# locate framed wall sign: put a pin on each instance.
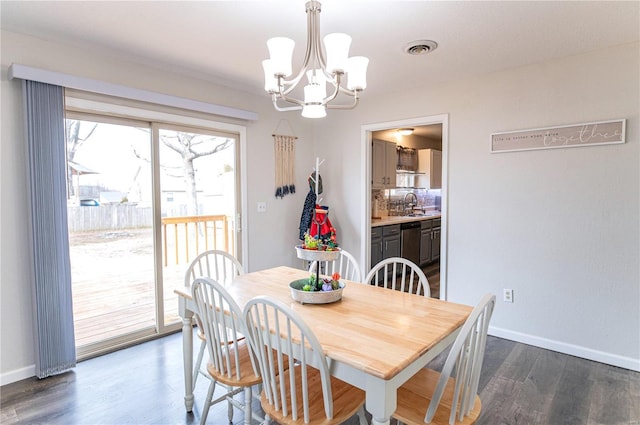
(566, 136)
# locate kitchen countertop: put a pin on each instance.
(397, 219)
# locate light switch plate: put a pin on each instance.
(262, 207)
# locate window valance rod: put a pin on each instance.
(25, 72)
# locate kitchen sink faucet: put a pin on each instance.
(409, 205)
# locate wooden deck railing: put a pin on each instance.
(193, 235)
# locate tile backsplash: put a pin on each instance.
(390, 200)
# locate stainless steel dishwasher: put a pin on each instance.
(410, 241)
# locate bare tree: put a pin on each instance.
(74, 142)
(190, 147)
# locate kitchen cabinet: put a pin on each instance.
(425, 242)
(390, 241)
(376, 245)
(385, 243)
(430, 241)
(435, 239)
(384, 160)
(429, 169)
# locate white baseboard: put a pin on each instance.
(573, 350)
(17, 375)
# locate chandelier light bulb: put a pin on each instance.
(270, 81)
(337, 47)
(357, 73)
(314, 111)
(281, 53)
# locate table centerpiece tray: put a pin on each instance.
(314, 297)
(317, 254)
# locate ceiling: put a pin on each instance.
(225, 41)
(433, 132)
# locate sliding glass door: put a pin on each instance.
(143, 200)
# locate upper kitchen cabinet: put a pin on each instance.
(430, 168)
(383, 164)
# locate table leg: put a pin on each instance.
(381, 401)
(187, 353)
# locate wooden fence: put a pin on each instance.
(108, 217)
(183, 238)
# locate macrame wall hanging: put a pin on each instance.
(285, 155)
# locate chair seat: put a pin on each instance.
(203, 338)
(201, 335)
(347, 401)
(249, 378)
(414, 397)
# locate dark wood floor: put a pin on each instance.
(520, 385)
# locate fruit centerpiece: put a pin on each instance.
(313, 290)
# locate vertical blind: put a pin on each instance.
(52, 300)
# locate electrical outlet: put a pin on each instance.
(262, 207)
(507, 295)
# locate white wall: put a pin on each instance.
(560, 227)
(272, 235)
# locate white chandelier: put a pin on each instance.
(319, 72)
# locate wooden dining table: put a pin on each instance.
(376, 338)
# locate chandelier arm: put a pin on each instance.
(342, 106)
(353, 93)
(282, 96)
(286, 109)
(291, 100)
(275, 98)
(336, 90)
(291, 83)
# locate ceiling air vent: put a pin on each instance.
(420, 47)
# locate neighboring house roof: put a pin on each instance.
(79, 169)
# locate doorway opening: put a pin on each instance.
(385, 195)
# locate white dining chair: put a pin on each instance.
(221, 267)
(345, 264)
(438, 398)
(216, 264)
(399, 274)
(297, 386)
(231, 362)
